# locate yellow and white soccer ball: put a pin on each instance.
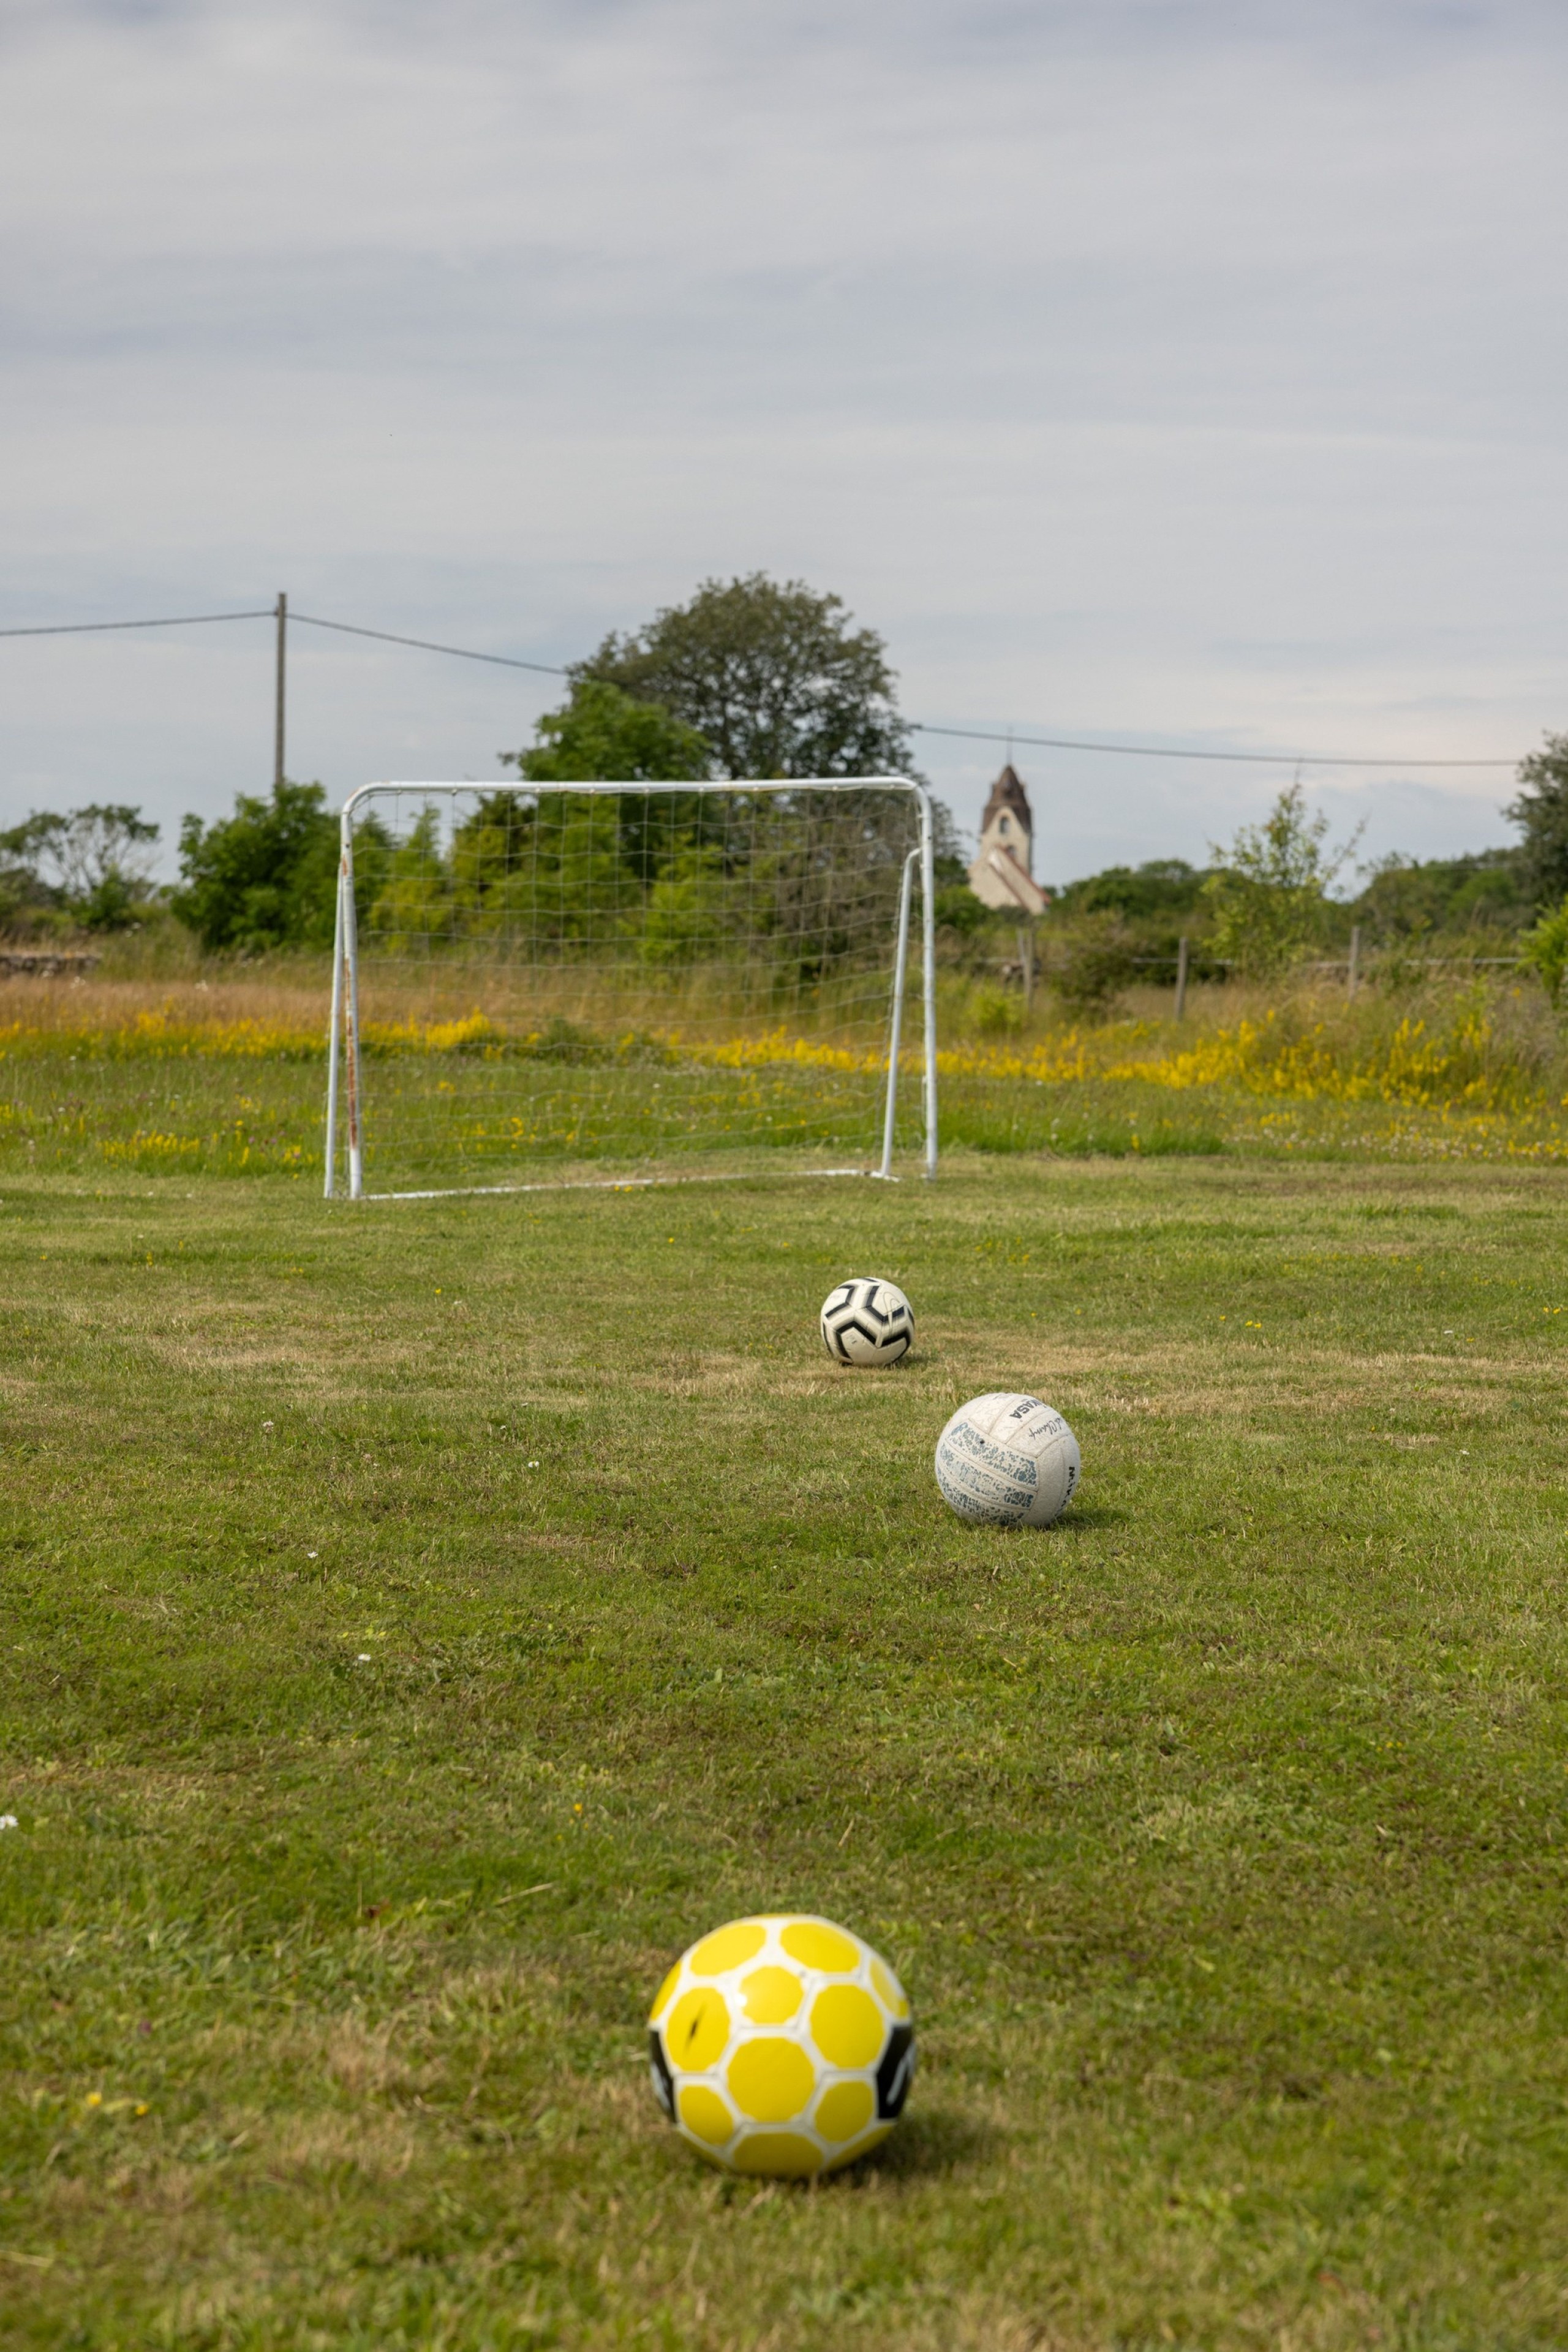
(782, 2045)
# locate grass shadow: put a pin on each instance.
(931, 2141)
(1085, 1520)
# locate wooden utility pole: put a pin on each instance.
(282, 680)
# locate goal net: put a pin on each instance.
(602, 982)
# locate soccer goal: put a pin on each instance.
(616, 982)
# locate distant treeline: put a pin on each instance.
(1275, 901)
(265, 877)
(753, 677)
(1402, 897)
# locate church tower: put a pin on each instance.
(1003, 874)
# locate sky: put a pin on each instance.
(1166, 371)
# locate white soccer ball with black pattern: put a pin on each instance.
(782, 2045)
(867, 1322)
(1008, 1460)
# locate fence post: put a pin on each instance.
(1354, 958)
(1026, 963)
(1181, 978)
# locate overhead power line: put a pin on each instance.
(462, 653)
(917, 726)
(178, 621)
(1175, 751)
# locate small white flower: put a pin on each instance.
(313, 1555)
(363, 1658)
(267, 1424)
(533, 1465)
(9, 1822)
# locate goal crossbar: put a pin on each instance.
(345, 1123)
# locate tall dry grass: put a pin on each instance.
(289, 998)
(1489, 1043)
(283, 1005)
(1463, 1040)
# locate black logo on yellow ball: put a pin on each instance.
(895, 2074)
(663, 2081)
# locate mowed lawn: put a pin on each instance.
(421, 1620)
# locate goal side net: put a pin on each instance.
(614, 982)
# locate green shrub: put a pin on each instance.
(1269, 897)
(994, 1012)
(1545, 951)
(1094, 974)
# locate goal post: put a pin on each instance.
(617, 981)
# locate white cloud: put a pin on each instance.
(1135, 369)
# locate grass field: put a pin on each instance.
(423, 1621)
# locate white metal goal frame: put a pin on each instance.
(345, 1090)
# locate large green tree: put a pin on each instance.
(1540, 812)
(602, 730)
(774, 676)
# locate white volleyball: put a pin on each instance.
(867, 1322)
(1008, 1459)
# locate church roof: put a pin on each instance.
(1007, 793)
